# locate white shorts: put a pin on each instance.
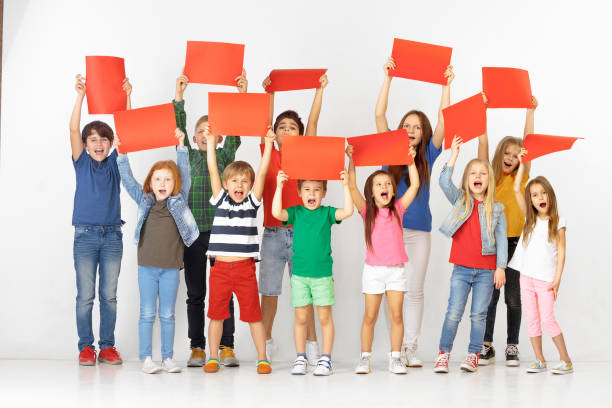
(379, 279)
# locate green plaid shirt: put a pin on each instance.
(201, 190)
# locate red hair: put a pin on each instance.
(168, 165)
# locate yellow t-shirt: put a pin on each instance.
(504, 193)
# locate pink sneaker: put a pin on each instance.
(470, 363)
(442, 362)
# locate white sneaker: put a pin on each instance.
(537, 367)
(442, 362)
(563, 368)
(313, 354)
(170, 366)
(270, 349)
(324, 367)
(300, 366)
(409, 357)
(396, 366)
(149, 367)
(470, 364)
(364, 364)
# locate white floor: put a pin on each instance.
(64, 383)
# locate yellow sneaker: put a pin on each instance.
(228, 358)
(197, 358)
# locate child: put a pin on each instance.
(417, 218)
(233, 244)
(505, 164)
(478, 227)
(540, 257)
(384, 271)
(164, 224)
(277, 238)
(98, 240)
(195, 255)
(312, 282)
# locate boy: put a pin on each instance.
(312, 282)
(98, 241)
(234, 246)
(194, 257)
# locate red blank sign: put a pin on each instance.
(294, 79)
(420, 61)
(104, 84)
(213, 62)
(146, 128)
(313, 157)
(386, 148)
(540, 145)
(506, 87)
(239, 114)
(467, 119)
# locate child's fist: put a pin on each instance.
(266, 82)
(127, 87)
(281, 177)
(181, 83)
(390, 64)
(534, 102)
(456, 145)
(80, 84)
(241, 82)
(349, 151)
(178, 133)
(522, 154)
(344, 178)
(323, 80)
(412, 152)
(270, 135)
(484, 98)
(449, 74)
(116, 142)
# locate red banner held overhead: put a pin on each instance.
(213, 63)
(146, 128)
(466, 119)
(313, 157)
(420, 61)
(239, 114)
(386, 148)
(540, 145)
(104, 84)
(506, 87)
(294, 79)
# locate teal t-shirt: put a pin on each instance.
(312, 240)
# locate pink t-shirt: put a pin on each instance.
(387, 238)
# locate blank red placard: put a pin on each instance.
(539, 145)
(420, 61)
(104, 84)
(294, 79)
(313, 157)
(467, 119)
(506, 87)
(386, 148)
(214, 63)
(239, 114)
(146, 128)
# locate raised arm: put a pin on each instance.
(315, 110)
(358, 199)
(380, 112)
(518, 181)
(412, 191)
(182, 160)
(133, 187)
(451, 191)
(211, 158)
(530, 126)
(127, 87)
(277, 202)
(76, 143)
(347, 210)
(264, 84)
(438, 135)
(483, 140)
(227, 154)
(179, 106)
(260, 178)
(560, 261)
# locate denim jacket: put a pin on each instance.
(177, 205)
(498, 222)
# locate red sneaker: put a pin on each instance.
(87, 357)
(470, 363)
(442, 362)
(110, 355)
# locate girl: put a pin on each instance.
(477, 225)
(540, 257)
(384, 271)
(165, 222)
(417, 219)
(277, 239)
(505, 164)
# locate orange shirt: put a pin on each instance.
(504, 193)
(290, 190)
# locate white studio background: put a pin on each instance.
(45, 44)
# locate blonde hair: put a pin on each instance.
(489, 200)
(498, 157)
(239, 167)
(532, 213)
(160, 165)
(201, 120)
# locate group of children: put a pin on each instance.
(503, 232)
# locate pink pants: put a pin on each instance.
(538, 306)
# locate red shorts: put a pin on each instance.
(237, 277)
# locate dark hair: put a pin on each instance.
(421, 159)
(372, 208)
(323, 182)
(290, 114)
(100, 128)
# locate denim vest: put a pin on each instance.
(177, 205)
(498, 222)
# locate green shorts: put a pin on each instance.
(316, 291)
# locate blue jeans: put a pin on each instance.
(97, 249)
(276, 252)
(153, 283)
(462, 280)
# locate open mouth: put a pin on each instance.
(542, 205)
(162, 191)
(239, 194)
(412, 137)
(384, 195)
(98, 151)
(507, 165)
(311, 201)
(477, 184)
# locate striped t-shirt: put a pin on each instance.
(234, 228)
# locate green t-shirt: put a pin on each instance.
(312, 240)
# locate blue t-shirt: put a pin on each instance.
(96, 199)
(418, 214)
